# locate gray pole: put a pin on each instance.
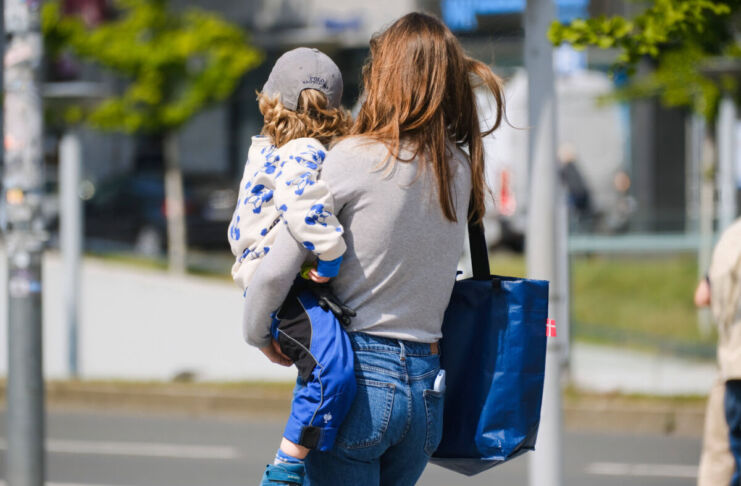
(543, 236)
(706, 155)
(726, 133)
(23, 184)
(71, 240)
(695, 130)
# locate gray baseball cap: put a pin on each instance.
(304, 68)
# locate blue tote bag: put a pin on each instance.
(493, 351)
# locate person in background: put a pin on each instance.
(579, 194)
(721, 290)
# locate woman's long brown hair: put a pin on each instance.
(418, 87)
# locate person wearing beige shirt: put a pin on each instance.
(721, 290)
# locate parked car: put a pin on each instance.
(130, 209)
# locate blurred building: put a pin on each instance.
(650, 159)
(216, 141)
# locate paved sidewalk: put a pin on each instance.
(144, 324)
(613, 369)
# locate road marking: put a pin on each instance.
(644, 470)
(47, 483)
(144, 449)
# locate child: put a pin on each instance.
(300, 104)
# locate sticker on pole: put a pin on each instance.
(550, 327)
(21, 284)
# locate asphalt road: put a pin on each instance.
(102, 449)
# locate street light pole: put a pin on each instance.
(544, 230)
(22, 188)
(726, 132)
(71, 221)
(70, 241)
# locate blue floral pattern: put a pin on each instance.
(258, 197)
(302, 182)
(311, 158)
(281, 185)
(234, 232)
(272, 160)
(317, 215)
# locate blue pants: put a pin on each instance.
(316, 342)
(733, 417)
(395, 422)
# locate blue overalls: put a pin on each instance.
(316, 342)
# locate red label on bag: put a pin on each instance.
(550, 328)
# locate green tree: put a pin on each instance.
(680, 37)
(175, 64)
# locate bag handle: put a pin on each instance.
(479, 251)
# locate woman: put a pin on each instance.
(404, 188)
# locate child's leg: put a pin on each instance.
(326, 390)
(293, 450)
(321, 349)
(288, 467)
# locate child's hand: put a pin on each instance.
(274, 354)
(315, 277)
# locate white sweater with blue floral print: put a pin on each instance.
(282, 185)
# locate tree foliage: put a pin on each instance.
(678, 36)
(175, 63)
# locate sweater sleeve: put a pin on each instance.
(306, 203)
(269, 287)
(236, 243)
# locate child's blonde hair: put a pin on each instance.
(312, 118)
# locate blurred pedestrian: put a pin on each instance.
(579, 195)
(720, 462)
(404, 184)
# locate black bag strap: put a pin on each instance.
(477, 245)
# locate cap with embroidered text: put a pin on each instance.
(304, 68)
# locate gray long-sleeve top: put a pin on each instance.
(402, 254)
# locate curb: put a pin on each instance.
(686, 421)
(182, 399)
(585, 413)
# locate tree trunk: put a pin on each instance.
(174, 207)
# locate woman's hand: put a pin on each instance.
(274, 354)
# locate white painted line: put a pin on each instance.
(3, 483)
(642, 470)
(144, 449)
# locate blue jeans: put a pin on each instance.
(394, 423)
(733, 417)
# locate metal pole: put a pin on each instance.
(726, 158)
(562, 291)
(23, 184)
(71, 240)
(695, 130)
(543, 236)
(706, 217)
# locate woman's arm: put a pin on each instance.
(275, 274)
(269, 287)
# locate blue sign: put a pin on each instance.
(460, 15)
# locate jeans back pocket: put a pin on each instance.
(434, 414)
(368, 419)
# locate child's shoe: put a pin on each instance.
(283, 475)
